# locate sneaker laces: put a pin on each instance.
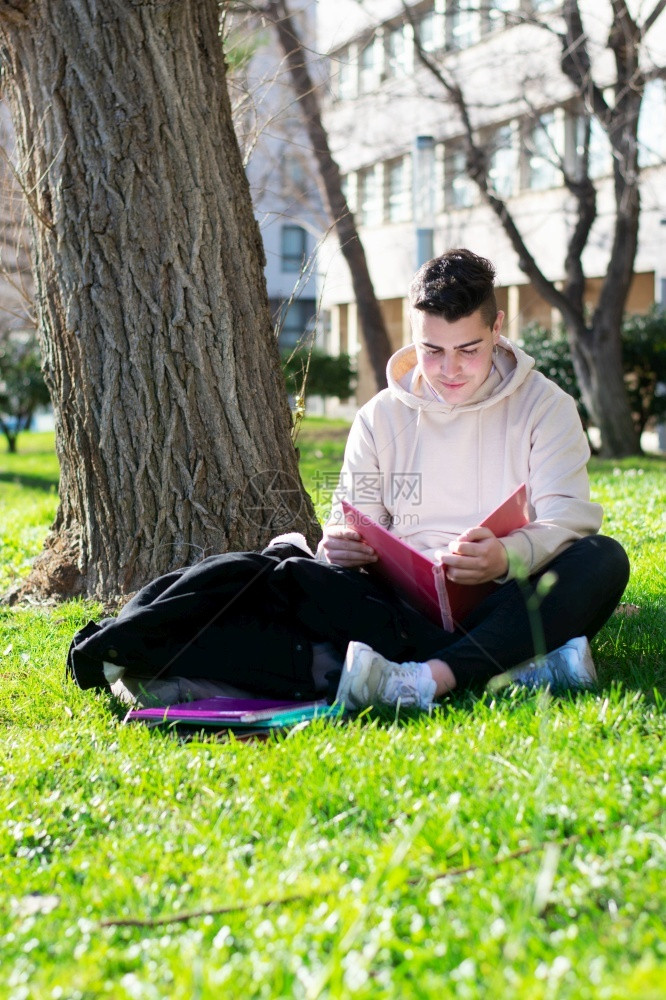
(410, 684)
(402, 685)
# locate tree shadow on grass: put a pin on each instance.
(632, 652)
(48, 485)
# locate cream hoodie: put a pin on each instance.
(429, 470)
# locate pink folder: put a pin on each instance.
(422, 582)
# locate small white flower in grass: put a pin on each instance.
(355, 975)
(222, 937)
(466, 970)
(330, 923)
(136, 987)
(498, 928)
(560, 967)
(34, 903)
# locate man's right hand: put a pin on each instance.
(344, 547)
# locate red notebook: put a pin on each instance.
(422, 582)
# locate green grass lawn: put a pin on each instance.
(498, 848)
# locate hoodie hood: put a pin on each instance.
(429, 470)
(511, 365)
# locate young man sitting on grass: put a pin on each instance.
(464, 421)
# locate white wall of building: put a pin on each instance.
(279, 163)
(507, 76)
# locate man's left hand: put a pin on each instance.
(476, 556)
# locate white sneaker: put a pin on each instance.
(368, 678)
(568, 668)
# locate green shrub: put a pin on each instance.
(644, 353)
(22, 387)
(550, 350)
(644, 359)
(324, 374)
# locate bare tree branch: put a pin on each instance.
(576, 64)
(652, 17)
(478, 169)
(604, 394)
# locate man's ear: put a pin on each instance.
(497, 326)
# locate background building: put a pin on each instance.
(399, 143)
(279, 167)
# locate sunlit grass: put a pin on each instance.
(509, 848)
(28, 502)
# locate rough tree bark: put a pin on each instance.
(371, 321)
(172, 422)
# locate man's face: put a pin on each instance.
(455, 358)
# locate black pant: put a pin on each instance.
(339, 605)
(590, 577)
(251, 619)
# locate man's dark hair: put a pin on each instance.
(455, 285)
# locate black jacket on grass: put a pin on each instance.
(247, 619)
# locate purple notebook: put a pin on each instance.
(232, 711)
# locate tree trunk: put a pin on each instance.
(11, 440)
(371, 321)
(172, 422)
(597, 360)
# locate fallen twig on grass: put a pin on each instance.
(498, 860)
(216, 911)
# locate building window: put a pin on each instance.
(368, 76)
(346, 75)
(459, 189)
(496, 14)
(398, 193)
(396, 52)
(294, 248)
(346, 187)
(294, 174)
(503, 166)
(542, 154)
(593, 151)
(464, 24)
(350, 190)
(294, 321)
(427, 31)
(369, 197)
(544, 6)
(651, 137)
